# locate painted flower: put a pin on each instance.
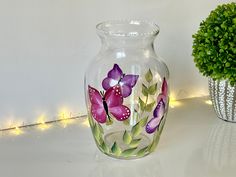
(164, 92)
(158, 115)
(159, 111)
(116, 77)
(105, 105)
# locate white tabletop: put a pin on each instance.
(194, 143)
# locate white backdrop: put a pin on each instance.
(45, 46)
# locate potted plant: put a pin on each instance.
(214, 52)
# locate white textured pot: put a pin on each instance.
(223, 97)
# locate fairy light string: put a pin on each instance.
(65, 118)
(45, 124)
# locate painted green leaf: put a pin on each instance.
(96, 131)
(115, 149)
(136, 130)
(162, 125)
(127, 138)
(155, 141)
(142, 104)
(128, 152)
(136, 116)
(143, 121)
(91, 122)
(135, 143)
(149, 76)
(100, 128)
(156, 137)
(145, 90)
(149, 106)
(97, 134)
(142, 151)
(152, 89)
(104, 147)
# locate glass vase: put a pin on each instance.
(126, 88)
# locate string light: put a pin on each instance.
(66, 122)
(17, 131)
(174, 103)
(41, 123)
(64, 113)
(64, 117)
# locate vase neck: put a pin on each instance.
(126, 43)
(127, 34)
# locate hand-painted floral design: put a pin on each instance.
(159, 111)
(116, 77)
(117, 86)
(109, 103)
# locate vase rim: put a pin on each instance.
(128, 28)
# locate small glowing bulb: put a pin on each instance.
(174, 103)
(41, 119)
(64, 113)
(17, 131)
(42, 125)
(65, 122)
(208, 102)
(64, 117)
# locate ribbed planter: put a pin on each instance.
(223, 97)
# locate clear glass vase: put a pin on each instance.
(126, 88)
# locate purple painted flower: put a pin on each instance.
(159, 111)
(117, 77)
(158, 114)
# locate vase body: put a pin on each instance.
(223, 97)
(126, 88)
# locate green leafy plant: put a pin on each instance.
(214, 45)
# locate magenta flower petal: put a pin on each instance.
(129, 80)
(113, 97)
(97, 109)
(120, 112)
(125, 91)
(164, 88)
(115, 73)
(98, 113)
